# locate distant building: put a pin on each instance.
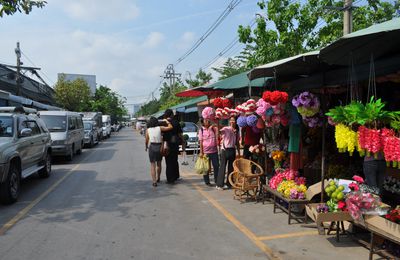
(90, 79)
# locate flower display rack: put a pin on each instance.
(276, 197)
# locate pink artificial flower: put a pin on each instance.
(341, 205)
(354, 186)
(358, 179)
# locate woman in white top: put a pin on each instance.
(154, 138)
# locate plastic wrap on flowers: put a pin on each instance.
(208, 113)
(307, 104)
(241, 121)
(252, 120)
(358, 203)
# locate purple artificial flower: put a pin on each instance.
(242, 121)
(252, 120)
(296, 101)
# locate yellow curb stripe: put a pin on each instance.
(268, 251)
(25, 210)
(296, 234)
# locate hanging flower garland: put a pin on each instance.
(346, 139)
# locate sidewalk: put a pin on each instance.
(269, 231)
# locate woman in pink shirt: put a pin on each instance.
(229, 142)
(208, 136)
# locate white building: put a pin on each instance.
(90, 79)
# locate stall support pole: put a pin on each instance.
(323, 146)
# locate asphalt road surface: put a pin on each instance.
(102, 206)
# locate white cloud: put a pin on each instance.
(153, 40)
(185, 41)
(94, 9)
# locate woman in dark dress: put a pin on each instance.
(173, 138)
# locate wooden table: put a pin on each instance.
(276, 195)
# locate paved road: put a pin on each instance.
(102, 206)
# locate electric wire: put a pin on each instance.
(211, 29)
(42, 72)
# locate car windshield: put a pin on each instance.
(55, 123)
(6, 126)
(189, 127)
(87, 126)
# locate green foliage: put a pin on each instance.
(202, 78)
(8, 7)
(168, 98)
(109, 103)
(294, 27)
(72, 95)
(230, 68)
(358, 113)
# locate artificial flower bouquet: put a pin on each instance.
(278, 156)
(394, 215)
(257, 149)
(289, 184)
(308, 106)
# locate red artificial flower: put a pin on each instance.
(227, 103)
(358, 179)
(266, 96)
(354, 186)
(218, 103)
(284, 97)
(341, 205)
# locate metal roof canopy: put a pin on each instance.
(239, 81)
(378, 40)
(190, 102)
(302, 64)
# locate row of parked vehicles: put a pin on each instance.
(29, 139)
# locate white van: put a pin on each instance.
(67, 133)
(106, 119)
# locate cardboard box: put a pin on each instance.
(326, 217)
(315, 189)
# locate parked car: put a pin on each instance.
(106, 119)
(25, 148)
(95, 117)
(191, 129)
(91, 135)
(66, 129)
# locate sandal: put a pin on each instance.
(158, 180)
(154, 184)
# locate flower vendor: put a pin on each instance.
(375, 170)
(250, 136)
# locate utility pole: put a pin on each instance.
(348, 17)
(169, 74)
(19, 63)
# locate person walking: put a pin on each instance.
(229, 142)
(173, 137)
(208, 138)
(153, 144)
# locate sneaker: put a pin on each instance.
(219, 188)
(225, 187)
(208, 184)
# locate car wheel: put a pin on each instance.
(79, 151)
(9, 190)
(70, 155)
(45, 172)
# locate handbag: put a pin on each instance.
(164, 149)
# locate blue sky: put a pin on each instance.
(126, 44)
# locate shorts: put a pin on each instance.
(155, 152)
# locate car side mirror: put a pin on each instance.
(25, 132)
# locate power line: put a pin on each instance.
(26, 57)
(216, 23)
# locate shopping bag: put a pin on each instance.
(201, 166)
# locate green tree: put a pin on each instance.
(230, 68)
(289, 28)
(151, 107)
(10, 7)
(202, 78)
(109, 103)
(72, 95)
(168, 97)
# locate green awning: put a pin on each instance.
(238, 81)
(302, 64)
(189, 103)
(377, 41)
